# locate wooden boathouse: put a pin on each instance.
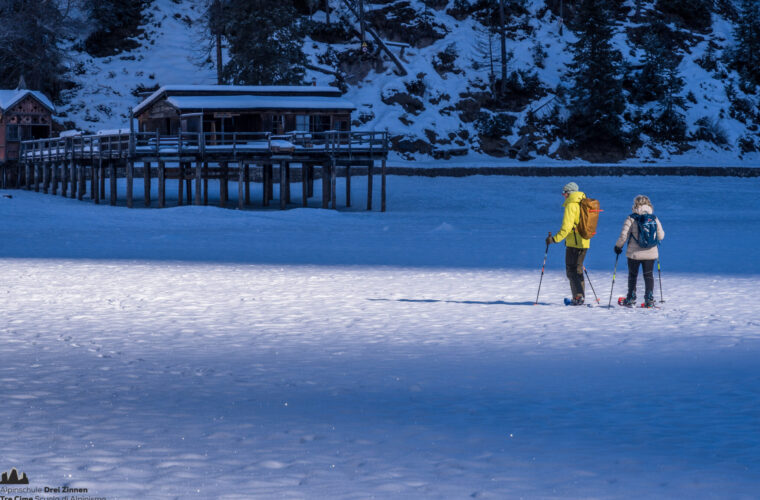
(224, 109)
(24, 115)
(196, 133)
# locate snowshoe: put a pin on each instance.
(648, 300)
(628, 301)
(578, 301)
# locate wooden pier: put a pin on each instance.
(65, 164)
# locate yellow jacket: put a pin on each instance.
(570, 220)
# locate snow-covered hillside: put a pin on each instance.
(169, 52)
(437, 110)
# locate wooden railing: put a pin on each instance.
(203, 145)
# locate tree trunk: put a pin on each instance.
(219, 65)
(502, 34)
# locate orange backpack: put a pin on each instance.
(589, 218)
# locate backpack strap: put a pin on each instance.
(634, 219)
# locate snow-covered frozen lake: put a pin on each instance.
(196, 352)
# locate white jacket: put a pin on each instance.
(630, 228)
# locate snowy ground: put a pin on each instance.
(196, 352)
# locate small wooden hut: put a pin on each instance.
(235, 108)
(24, 115)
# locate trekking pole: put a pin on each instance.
(589, 282)
(659, 277)
(614, 271)
(542, 270)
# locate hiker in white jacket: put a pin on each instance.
(638, 254)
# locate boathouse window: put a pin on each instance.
(40, 131)
(302, 123)
(321, 123)
(191, 122)
(13, 133)
(277, 124)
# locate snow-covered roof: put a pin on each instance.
(237, 90)
(9, 98)
(259, 102)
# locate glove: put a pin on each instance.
(618, 250)
(549, 239)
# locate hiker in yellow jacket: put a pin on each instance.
(576, 245)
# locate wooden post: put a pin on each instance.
(112, 180)
(188, 182)
(264, 186)
(325, 185)
(241, 181)
(102, 178)
(382, 190)
(270, 184)
(348, 185)
(205, 183)
(247, 181)
(161, 184)
(36, 168)
(130, 187)
(73, 177)
(46, 177)
(98, 187)
(146, 182)
(54, 179)
(283, 200)
(64, 179)
(28, 175)
(334, 184)
(180, 187)
(304, 185)
(287, 183)
(310, 169)
(82, 181)
(94, 184)
(223, 185)
(369, 184)
(198, 175)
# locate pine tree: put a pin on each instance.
(596, 98)
(659, 64)
(264, 42)
(115, 21)
(30, 31)
(693, 14)
(650, 80)
(670, 123)
(746, 55)
(484, 56)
